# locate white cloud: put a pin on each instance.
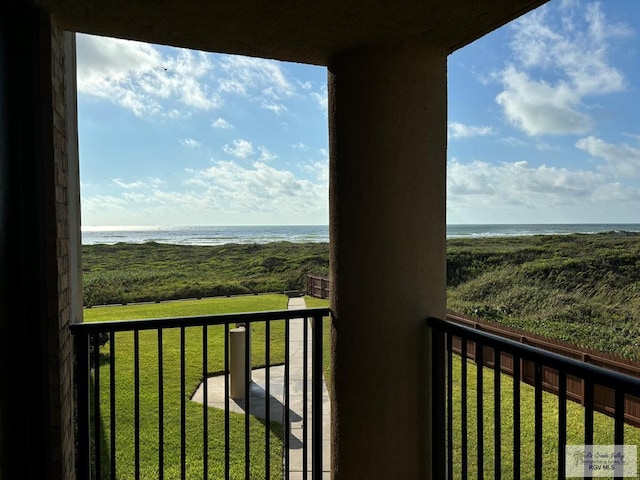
(513, 142)
(539, 108)
(259, 188)
(517, 191)
(221, 123)
(546, 147)
(622, 160)
(460, 130)
(260, 80)
(320, 170)
(121, 183)
(190, 143)
(573, 51)
(240, 149)
(225, 193)
(146, 79)
(137, 76)
(322, 99)
(266, 155)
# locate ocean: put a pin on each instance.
(218, 235)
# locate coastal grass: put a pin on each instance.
(126, 273)
(580, 288)
(173, 396)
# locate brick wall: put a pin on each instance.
(61, 352)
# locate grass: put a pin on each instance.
(603, 426)
(125, 460)
(172, 395)
(125, 273)
(583, 289)
(579, 288)
(313, 302)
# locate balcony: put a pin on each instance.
(494, 424)
(141, 423)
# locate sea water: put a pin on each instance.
(218, 235)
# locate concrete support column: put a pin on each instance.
(388, 120)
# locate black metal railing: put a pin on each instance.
(124, 406)
(474, 431)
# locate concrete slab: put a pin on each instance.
(273, 396)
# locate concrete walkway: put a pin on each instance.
(215, 390)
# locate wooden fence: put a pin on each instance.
(604, 398)
(317, 286)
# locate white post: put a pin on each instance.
(237, 363)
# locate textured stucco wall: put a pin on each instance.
(387, 113)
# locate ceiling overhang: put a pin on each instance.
(306, 32)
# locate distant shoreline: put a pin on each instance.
(257, 234)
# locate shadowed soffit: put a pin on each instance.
(307, 32)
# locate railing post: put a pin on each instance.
(316, 397)
(83, 466)
(438, 401)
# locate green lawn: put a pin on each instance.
(172, 396)
(603, 426)
(194, 412)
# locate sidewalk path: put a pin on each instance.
(215, 390)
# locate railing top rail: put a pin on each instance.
(195, 321)
(597, 374)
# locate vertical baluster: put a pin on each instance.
(83, 466)
(538, 421)
(479, 408)
(287, 426)
(618, 435)
(463, 409)
(95, 344)
(112, 400)
(136, 389)
(247, 400)
(183, 414)
(205, 404)
(316, 397)
(516, 416)
(562, 422)
(588, 411)
(160, 408)
(497, 424)
(305, 352)
(267, 406)
(449, 471)
(227, 455)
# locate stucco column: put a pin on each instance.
(387, 118)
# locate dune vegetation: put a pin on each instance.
(581, 288)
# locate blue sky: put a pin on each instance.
(543, 116)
